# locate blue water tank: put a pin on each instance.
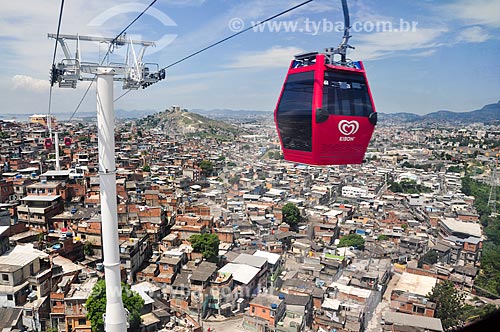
(274, 306)
(281, 296)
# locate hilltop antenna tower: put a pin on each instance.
(492, 200)
(134, 74)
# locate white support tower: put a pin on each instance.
(133, 75)
(56, 142)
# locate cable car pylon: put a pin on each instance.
(134, 74)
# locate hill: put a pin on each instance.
(193, 124)
(487, 114)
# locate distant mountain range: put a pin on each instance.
(488, 114)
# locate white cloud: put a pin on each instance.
(475, 34)
(387, 44)
(275, 57)
(29, 83)
(425, 53)
(484, 12)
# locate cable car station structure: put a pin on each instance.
(134, 74)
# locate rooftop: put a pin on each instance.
(462, 227)
(255, 261)
(266, 300)
(415, 284)
(271, 258)
(204, 271)
(241, 272)
(40, 198)
(82, 291)
(428, 323)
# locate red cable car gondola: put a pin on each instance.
(67, 141)
(47, 143)
(325, 114)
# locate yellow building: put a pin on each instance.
(42, 119)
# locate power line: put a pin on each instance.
(107, 53)
(230, 37)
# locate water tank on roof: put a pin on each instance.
(281, 296)
(274, 306)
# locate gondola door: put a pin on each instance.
(342, 125)
(294, 113)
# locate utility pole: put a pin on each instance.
(134, 74)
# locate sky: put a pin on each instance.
(420, 56)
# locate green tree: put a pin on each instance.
(87, 249)
(430, 258)
(473, 313)
(206, 167)
(291, 214)
(4, 135)
(352, 240)
(234, 179)
(96, 306)
(449, 304)
(383, 237)
(206, 244)
(146, 168)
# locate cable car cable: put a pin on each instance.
(122, 95)
(54, 59)
(57, 34)
(238, 33)
(228, 37)
(107, 53)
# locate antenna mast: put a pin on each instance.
(67, 73)
(492, 199)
